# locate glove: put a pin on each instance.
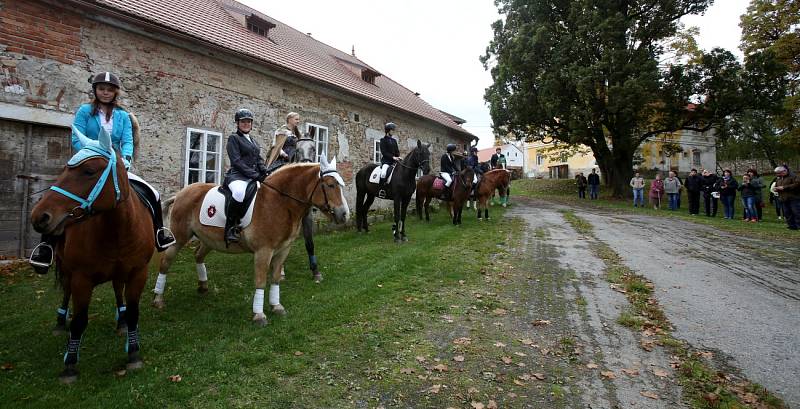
(127, 161)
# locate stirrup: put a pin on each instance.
(382, 194)
(39, 263)
(169, 238)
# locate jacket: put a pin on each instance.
(637, 183)
(594, 179)
(758, 185)
(656, 188)
(581, 180)
(791, 187)
(286, 142)
(389, 149)
(727, 187)
(672, 185)
(245, 158)
(447, 164)
(747, 189)
(694, 183)
(474, 163)
(89, 125)
(710, 184)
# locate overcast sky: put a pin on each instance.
(432, 46)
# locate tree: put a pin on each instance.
(588, 72)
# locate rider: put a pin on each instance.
(474, 163)
(104, 111)
(246, 165)
(447, 166)
(285, 143)
(498, 159)
(390, 154)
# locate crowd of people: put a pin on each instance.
(783, 192)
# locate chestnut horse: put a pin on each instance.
(282, 201)
(461, 187)
(400, 188)
(108, 236)
(497, 179)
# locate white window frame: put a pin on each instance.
(320, 145)
(203, 154)
(539, 159)
(376, 153)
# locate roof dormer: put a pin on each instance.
(258, 25)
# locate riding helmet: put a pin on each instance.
(390, 126)
(451, 147)
(473, 149)
(243, 113)
(105, 78)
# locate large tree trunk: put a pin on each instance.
(617, 172)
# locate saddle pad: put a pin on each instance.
(212, 212)
(438, 183)
(375, 176)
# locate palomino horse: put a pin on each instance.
(461, 188)
(282, 201)
(499, 180)
(400, 189)
(108, 236)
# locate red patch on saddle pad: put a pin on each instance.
(212, 210)
(438, 183)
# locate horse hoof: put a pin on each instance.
(158, 303)
(137, 363)
(68, 376)
(405, 238)
(317, 277)
(278, 310)
(260, 320)
(202, 287)
(123, 330)
(505, 205)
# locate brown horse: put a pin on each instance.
(282, 201)
(497, 179)
(108, 236)
(461, 187)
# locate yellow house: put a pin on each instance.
(548, 161)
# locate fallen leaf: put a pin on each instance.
(539, 376)
(646, 345)
(660, 372)
(537, 323)
(712, 399)
(380, 285)
(507, 359)
(519, 354)
(420, 359)
(750, 398)
(298, 353)
(491, 405)
(512, 395)
(175, 378)
(434, 389)
(706, 354)
(499, 344)
(592, 365)
(458, 358)
(521, 364)
(608, 374)
(440, 368)
(406, 371)
(472, 390)
(650, 395)
(120, 372)
(631, 371)
(499, 311)
(7, 366)
(477, 405)
(422, 377)
(461, 282)
(526, 341)
(409, 299)
(462, 341)
(518, 382)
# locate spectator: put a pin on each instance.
(656, 192)
(788, 188)
(727, 192)
(672, 187)
(710, 192)
(581, 181)
(757, 183)
(637, 183)
(748, 199)
(775, 199)
(594, 184)
(694, 185)
(680, 191)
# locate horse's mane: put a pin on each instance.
(295, 165)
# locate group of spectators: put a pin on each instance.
(783, 192)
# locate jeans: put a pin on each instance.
(791, 212)
(638, 197)
(727, 204)
(673, 200)
(593, 190)
(581, 193)
(778, 206)
(750, 207)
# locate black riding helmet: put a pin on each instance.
(390, 126)
(451, 147)
(243, 114)
(473, 149)
(105, 78)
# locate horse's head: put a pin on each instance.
(90, 183)
(330, 196)
(306, 150)
(421, 157)
(467, 175)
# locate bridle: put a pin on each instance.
(327, 209)
(85, 207)
(416, 158)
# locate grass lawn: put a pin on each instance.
(342, 344)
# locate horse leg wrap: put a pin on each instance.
(202, 273)
(274, 294)
(62, 312)
(161, 282)
(312, 261)
(133, 341)
(258, 301)
(73, 349)
(120, 313)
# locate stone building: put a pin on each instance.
(186, 66)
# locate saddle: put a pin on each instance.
(216, 202)
(446, 192)
(249, 194)
(385, 191)
(145, 194)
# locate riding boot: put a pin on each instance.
(42, 255)
(233, 216)
(382, 188)
(164, 237)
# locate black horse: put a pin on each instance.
(400, 189)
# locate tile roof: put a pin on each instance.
(213, 21)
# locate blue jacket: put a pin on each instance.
(89, 125)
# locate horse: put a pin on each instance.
(307, 152)
(400, 189)
(282, 201)
(108, 236)
(495, 180)
(461, 188)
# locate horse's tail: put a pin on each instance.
(136, 134)
(166, 205)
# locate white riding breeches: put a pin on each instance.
(447, 179)
(238, 189)
(384, 169)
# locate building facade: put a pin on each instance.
(185, 71)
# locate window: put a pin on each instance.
(259, 25)
(539, 159)
(203, 157)
(369, 75)
(376, 156)
(320, 135)
(695, 157)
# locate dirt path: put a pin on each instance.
(731, 295)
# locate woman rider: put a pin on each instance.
(285, 143)
(105, 112)
(474, 163)
(447, 167)
(247, 165)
